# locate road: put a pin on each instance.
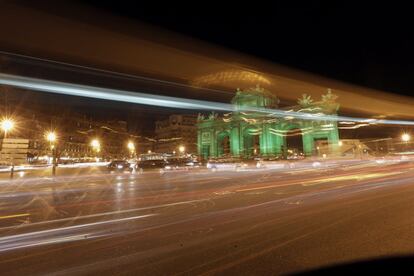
(201, 222)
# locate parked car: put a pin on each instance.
(226, 164)
(145, 165)
(180, 164)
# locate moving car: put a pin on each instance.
(120, 166)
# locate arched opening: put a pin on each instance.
(251, 140)
(223, 144)
(322, 146)
(294, 144)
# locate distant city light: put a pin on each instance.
(149, 151)
(181, 149)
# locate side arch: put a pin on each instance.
(223, 143)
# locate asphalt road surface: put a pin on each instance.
(253, 221)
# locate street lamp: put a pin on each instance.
(96, 145)
(131, 147)
(6, 125)
(406, 137)
(51, 138)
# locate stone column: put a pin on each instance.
(242, 152)
(213, 143)
(264, 146)
(199, 142)
(333, 137)
(308, 144)
(235, 141)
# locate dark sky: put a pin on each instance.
(370, 45)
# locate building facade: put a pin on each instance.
(174, 132)
(257, 127)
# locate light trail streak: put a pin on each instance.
(51, 241)
(354, 177)
(354, 127)
(44, 237)
(108, 213)
(15, 216)
(102, 72)
(166, 101)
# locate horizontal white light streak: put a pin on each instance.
(248, 120)
(166, 101)
(44, 237)
(353, 127)
(309, 109)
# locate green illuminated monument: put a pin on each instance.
(264, 132)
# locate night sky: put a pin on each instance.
(366, 45)
(370, 45)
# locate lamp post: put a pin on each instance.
(7, 125)
(51, 138)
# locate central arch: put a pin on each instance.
(294, 142)
(251, 141)
(223, 143)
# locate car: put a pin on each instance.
(145, 165)
(181, 164)
(120, 166)
(66, 161)
(226, 164)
